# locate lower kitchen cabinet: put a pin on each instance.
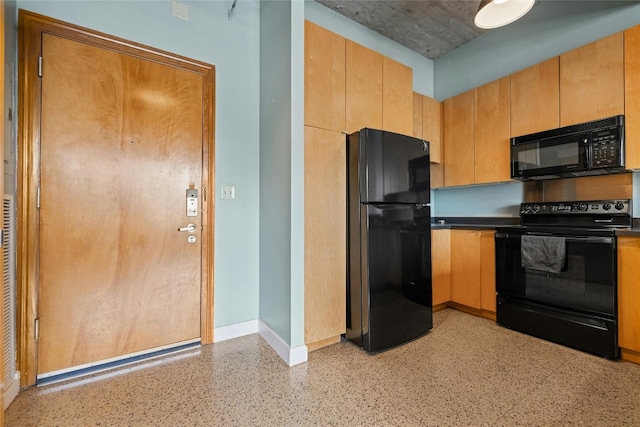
(629, 297)
(325, 237)
(473, 270)
(465, 268)
(441, 266)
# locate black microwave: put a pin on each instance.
(592, 148)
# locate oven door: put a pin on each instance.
(586, 283)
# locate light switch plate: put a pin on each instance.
(228, 192)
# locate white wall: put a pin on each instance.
(233, 47)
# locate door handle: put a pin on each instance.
(190, 228)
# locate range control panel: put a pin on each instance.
(577, 208)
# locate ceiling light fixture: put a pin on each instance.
(496, 13)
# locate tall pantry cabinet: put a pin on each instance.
(347, 87)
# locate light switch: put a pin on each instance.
(227, 192)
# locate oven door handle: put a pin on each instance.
(573, 239)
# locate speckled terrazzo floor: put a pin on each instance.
(467, 372)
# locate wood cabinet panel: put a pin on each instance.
(397, 97)
(432, 127)
(465, 267)
(417, 115)
(592, 81)
(459, 139)
(629, 293)
(324, 78)
(535, 98)
(441, 266)
(325, 235)
(488, 271)
(363, 88)
(492, 132)
(632, 96)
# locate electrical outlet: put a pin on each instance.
(227, 192)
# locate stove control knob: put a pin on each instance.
(582, 207)
(535, 208)
(606, 206)
(619, 206)
(526, 208)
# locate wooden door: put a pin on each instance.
(325, 229)
(324, 74)
(535, 98)
(397, 97)
(592, 81)
(492, 131)
(363, 87)
(459, 139)
(121, 142)
(465, 267)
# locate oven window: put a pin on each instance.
(586, 283)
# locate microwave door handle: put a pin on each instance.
(587, 154)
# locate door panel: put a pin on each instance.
(121, 142)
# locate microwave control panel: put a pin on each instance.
(605, 146)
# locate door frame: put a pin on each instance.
(31, 27)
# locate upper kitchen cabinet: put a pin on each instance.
(432, 127)
(492, 132)
(632, 97)
(324, 82)
(364, 89)
(592, 81)
(535, 98)
(397, 97)
(459, 113)
(325, 233)
(427, 124)
(417, 115)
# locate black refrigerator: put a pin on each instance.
(389, 298)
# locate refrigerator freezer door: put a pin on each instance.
(390, 277)
(388, 167)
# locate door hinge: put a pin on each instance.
(36, 329)
(38, 198)
(40, 66)
(204, 194)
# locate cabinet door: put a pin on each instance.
(459, 139)
(397, 97)
(629, 293)
(535, 98)
(592, 81)
(488, 271)
(363, 88)
(440, 266)
(632, 96)
(325, 236)
(417, 115)
(324, 78)
(465, 267)
(492, 132)
(432, 127)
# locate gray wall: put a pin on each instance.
(282, 169)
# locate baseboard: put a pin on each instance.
(236, 330)
(11, 390)
(291, 356)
